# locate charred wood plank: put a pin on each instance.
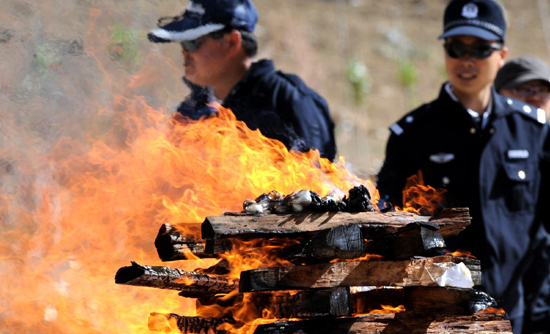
(411, 240)
(191, 284)
(304, 304)
(423, 300)
(450, 221)
(415, 272)
(340, 242)
(446, 300)
(170, 323)
(485, 323)
(178, 243)
(173, 244)
(365, 300)
(341, 302)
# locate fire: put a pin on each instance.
(366, 257)
(461, 253)
(492, 310)
(247, 255)
(419, 198)
(385, 309)
(74, 214)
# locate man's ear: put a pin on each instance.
(503, 54)
(233, 41)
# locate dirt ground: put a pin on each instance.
(63, 61)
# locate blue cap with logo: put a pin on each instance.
(478, 18)
(202, 17)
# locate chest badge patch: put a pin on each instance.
(518, 154)
(442, 158)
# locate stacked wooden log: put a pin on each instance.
(330, 284)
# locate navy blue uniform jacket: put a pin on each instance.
(282, 107)
(496, 172)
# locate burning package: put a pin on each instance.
(359, 200)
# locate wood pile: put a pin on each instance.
(331, 284)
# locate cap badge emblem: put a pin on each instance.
(470, 10)
(195, 8)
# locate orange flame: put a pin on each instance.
(419, 198)
(73, 216)
(385, 309)
(366, 257)
(247, 255)
(492, 310)
(461, 253)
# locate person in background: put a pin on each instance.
(219, 49)
(527, 78)
(485, 149)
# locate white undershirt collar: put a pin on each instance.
(472, 113)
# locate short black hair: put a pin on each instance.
(248, 39)
(250, 43)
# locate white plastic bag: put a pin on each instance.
(458, 276)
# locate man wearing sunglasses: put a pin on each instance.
(527, 78)
(483, 148)
(218, 48)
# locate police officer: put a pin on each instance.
(484, 148)
(218, 47)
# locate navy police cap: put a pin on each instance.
(202, 17)
(478, 18)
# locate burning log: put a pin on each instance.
(341, 242)
(450, 221)
(411, 240)
(331, 235)
(191, 284)
(340, 302)
(172, 245)
(424, 300)
(169, 323)
(394, 323)
(305, 304)
(446, 301)
(415, 272)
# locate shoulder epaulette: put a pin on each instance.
(410, 119)
(535, 113)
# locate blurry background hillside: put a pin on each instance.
(62, 62)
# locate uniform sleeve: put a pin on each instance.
(308, 113)
(544, 198)
(195, 104)
(313, 123)
(392, 176)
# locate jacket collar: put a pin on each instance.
(498, 102)
(257, 69)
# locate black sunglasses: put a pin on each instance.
(194, 45)
(477, 51)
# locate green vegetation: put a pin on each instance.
(46, 56)
(358, 77)
(407, 76)
(125, 45)
(406, 73)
